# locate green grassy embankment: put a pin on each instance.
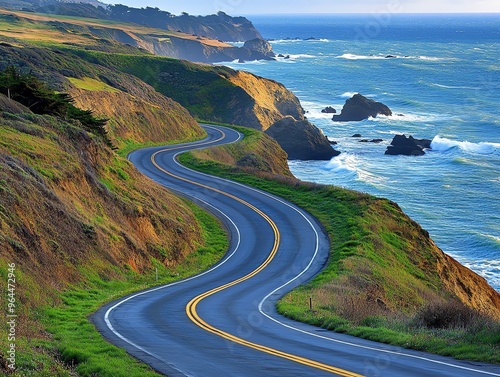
(382, 281)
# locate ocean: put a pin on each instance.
(440, 75)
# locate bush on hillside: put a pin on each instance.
(445, 315)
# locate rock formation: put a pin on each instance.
(408, 146)
(301, 140)
(329, 110)
(359, 108)
(261, 46)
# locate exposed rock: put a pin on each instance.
(259, 103)
(301, 140)
(408, 146)
(359, 108)
(261, 46)
(329, 110)
(202, 51)
(371, 141)
(356, 135)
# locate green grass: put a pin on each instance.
(88, 83)
(357, 224)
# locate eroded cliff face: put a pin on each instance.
(278, 112)
(218, 94)
(272, 101)
(469, 287)
(136, 112)
(146, 116)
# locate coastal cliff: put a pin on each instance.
(220, 26)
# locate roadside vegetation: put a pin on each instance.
(381, 282)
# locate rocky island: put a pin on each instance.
(408, 146)
(358, 108)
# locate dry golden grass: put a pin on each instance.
(269, 97)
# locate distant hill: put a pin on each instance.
(218, 26)
(34, 4)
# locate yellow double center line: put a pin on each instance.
(191, 306)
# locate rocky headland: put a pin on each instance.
(217, 94)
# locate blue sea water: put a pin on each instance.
(442, 83)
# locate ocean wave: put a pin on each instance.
(429, 58)
(491, 237)
(442, 144)
(295, 40)
(298, 56)
(360, 57)
(489, 269)
(313, 110)
(350, 56)
(456, 87)
(349, 167)
(345, 164)
(348, 94)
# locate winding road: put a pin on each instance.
(223, 322)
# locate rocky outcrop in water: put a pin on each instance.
(301, 140)
(329, 110)
(408, 146)
(360, 108)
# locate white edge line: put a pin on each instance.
(227, 258)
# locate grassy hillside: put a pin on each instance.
(218, 94)
(386, 279)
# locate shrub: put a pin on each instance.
(450, 314)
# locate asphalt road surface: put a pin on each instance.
(223, 322)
